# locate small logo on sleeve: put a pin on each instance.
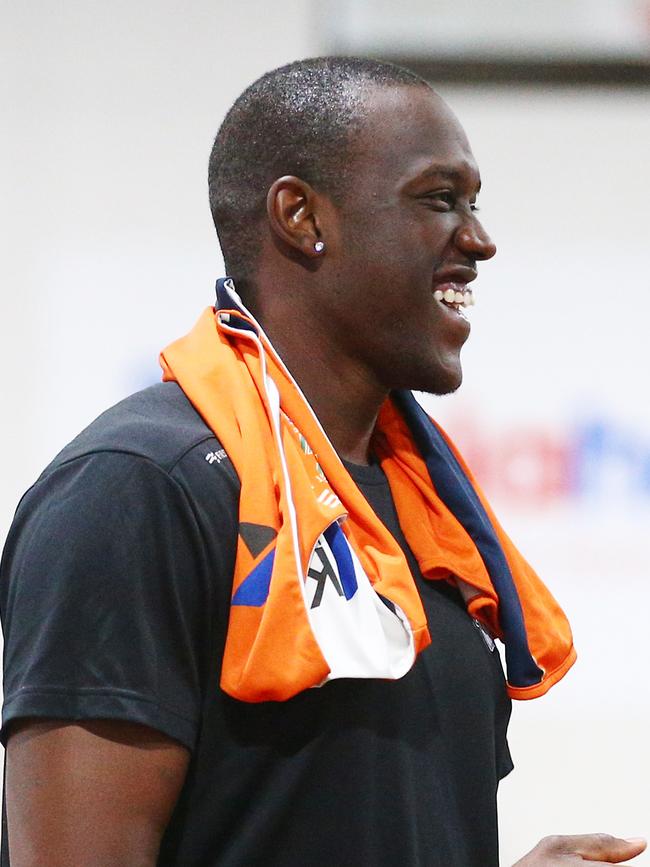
(216, 457)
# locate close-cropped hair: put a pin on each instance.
(300, 120)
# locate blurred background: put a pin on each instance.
(107, 252)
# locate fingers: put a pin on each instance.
(585, 849)
(603, 847)
(600, 863)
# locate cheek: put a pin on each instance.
(376, 229)
(392, 256)
(389, 257)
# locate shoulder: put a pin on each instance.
(158, 423)
(147, 485)
(152, 444)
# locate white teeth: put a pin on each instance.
(455, 296)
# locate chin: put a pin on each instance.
(438, 380)
(440, 389)
(417, 372)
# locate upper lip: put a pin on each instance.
(457, 274)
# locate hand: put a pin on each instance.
(582, 849)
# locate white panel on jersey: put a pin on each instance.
(360, 636)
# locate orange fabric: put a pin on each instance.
(441, 545)
(271, 651)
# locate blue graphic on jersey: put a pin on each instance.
(339, 544)
(254, 589)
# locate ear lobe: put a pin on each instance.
(290, 207)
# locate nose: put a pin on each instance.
(473, 240)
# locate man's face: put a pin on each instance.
(408, 233)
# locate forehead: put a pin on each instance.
(409, 130)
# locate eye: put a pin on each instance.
(443, 200)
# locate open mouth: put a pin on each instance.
(456, 296)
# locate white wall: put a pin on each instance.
(107, 252)
(107, 249)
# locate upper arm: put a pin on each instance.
(106, 615)
(105, 601)
(94, 793)
(107, 607)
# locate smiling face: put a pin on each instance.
(407, 244)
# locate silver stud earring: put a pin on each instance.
(319, 246)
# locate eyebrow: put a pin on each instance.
(446, 172)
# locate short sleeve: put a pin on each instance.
(104, 598)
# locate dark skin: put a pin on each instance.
(363, 320)
(95, 794)
(367, 312)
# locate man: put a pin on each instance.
(248, 612)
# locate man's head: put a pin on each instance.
(297, 120)
(368, 160)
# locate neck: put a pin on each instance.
(347, 412)
(343, 395)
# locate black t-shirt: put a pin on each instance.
(114, 595)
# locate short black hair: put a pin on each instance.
(295, 120)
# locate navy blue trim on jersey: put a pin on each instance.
(458, 494)
(225, 301)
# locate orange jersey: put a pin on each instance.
(304, 524)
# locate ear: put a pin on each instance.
(292, 207)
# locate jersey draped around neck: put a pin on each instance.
(321, 589)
